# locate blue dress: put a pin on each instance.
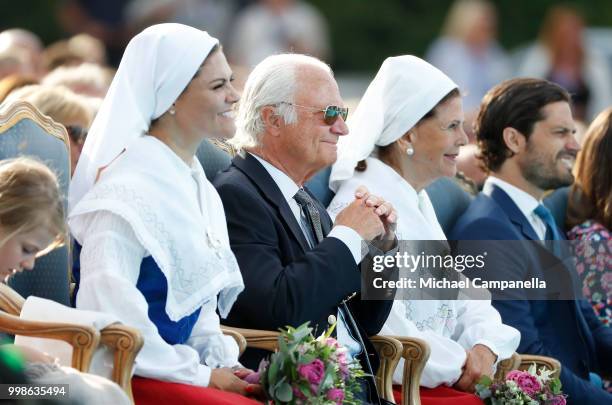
(154, 287)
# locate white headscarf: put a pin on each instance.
(403, 91)
(156, 67)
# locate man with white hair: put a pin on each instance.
(297, 265)
(18, 40)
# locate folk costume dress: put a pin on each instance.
(403, 91)
(155, 250)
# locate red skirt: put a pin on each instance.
(441, 395)
(154, 392)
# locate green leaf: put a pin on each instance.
(283, 392)
(555, 386)
(273, 372)
(485, 380)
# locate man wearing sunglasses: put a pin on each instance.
(297, 265)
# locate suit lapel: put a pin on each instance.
(270, 191)
(512, 211)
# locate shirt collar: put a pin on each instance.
(286, 185)
(523, 200)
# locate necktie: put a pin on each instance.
(307, 204)
(312, 213)
(552, 232)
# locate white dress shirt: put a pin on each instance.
(450, 327)
(524, 201)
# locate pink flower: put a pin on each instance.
(313, 372)
(526, 382)
(336, 394)
(557, 400)
(331, 342)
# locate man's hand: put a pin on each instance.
(479, 362)
(361, 217)
(225, 379)
(382, 208)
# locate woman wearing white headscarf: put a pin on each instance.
(405, 133)
(155, 250)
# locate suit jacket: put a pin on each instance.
(567, 330)
(287, 282)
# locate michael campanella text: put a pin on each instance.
(476, 282)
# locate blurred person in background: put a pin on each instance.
(468, 51)
(270, 27)
(563, 56)
(589, 215)
(14, 62)
(74, 112)
(82, 48)
(87, 79)
(214, 16)
(470, 165)
(14, 82)
(18, 39)
(102, 19)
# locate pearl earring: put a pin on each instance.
(172, 110)
(409, 150)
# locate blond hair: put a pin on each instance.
(58, 102)
(30, 198)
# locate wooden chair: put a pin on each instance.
(524, 361)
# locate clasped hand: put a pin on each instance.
(370, 216)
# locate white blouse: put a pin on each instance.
(110, 265)
(450, 327)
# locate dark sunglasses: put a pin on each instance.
(77, 133)
(331, 112)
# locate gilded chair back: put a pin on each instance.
(24, 131)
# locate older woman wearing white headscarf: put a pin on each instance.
(405, 133)
(155, 250)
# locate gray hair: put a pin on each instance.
(271, 83)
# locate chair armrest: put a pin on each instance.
(83, 339)
(256, 338)
(125, 342)
(10, 300)
(526, 360)
(389, 351)
(415, 354)
(507, 365)
(240, 340)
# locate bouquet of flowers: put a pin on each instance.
(531, 387)
(305, 370)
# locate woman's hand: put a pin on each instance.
(252, 378)
(479, 362)
(225, 379)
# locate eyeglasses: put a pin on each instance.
(331, 112)
(77, 133)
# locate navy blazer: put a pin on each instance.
(567, 330)
(287, 282)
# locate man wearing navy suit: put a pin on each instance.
(526, 134)
(297, 265)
